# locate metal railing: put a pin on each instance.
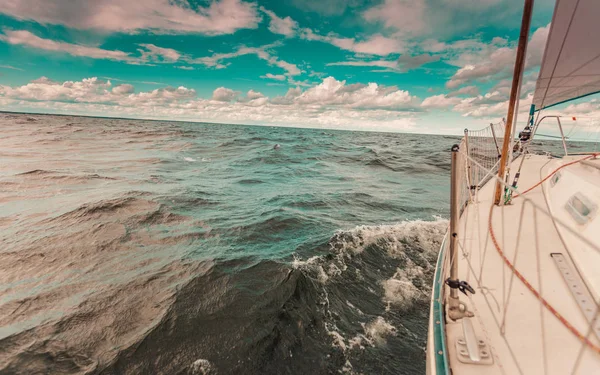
(483, 147)
(562, 134)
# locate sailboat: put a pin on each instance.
(517, 282)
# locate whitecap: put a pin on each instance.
(201, 367)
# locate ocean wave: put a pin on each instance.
(273, 317)
(55, 175)
(382, 273)
(121, 257)
(250, 181)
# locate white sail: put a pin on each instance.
(571, 64)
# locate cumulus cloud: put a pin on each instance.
(439, 101)
(284, 26)
(44, 89)
(493, 63)
(491, 104)
(94, 90)
(331, 103)
(123, 89)
(334, 92)
(473, 109)
(251, 94)
(158, 16)
(223, 94)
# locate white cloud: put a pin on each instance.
(284, 26)
(44, 89)
(407, 16)
(375, 45)
(473, 109)
(125, 88)
(334, 92)
(278, 77)
(159, 53)
(223, 94)
(185, 67)
(593, 106)
(439, 101)
(332, 103)
(536, 46)
(498, 62)
(251, 94)
(492, 63)
(492, 104)
(328, 94)
(157, 97)
(448, 18)
(45, 80)
(149, 53)
(158, 16)
(263, 53)
(467, 90)
(94, 90)
(22, 37)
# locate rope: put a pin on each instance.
(543, 301)
(556, 170)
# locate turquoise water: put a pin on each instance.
(141, 246)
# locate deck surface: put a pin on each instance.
(525, 337)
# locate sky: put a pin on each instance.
(426, 66)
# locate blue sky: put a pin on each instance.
(434, 66)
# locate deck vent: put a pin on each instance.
(581, 208)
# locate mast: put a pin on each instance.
(514, 95)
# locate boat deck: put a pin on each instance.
(524, 336)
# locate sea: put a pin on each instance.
(158, 247)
